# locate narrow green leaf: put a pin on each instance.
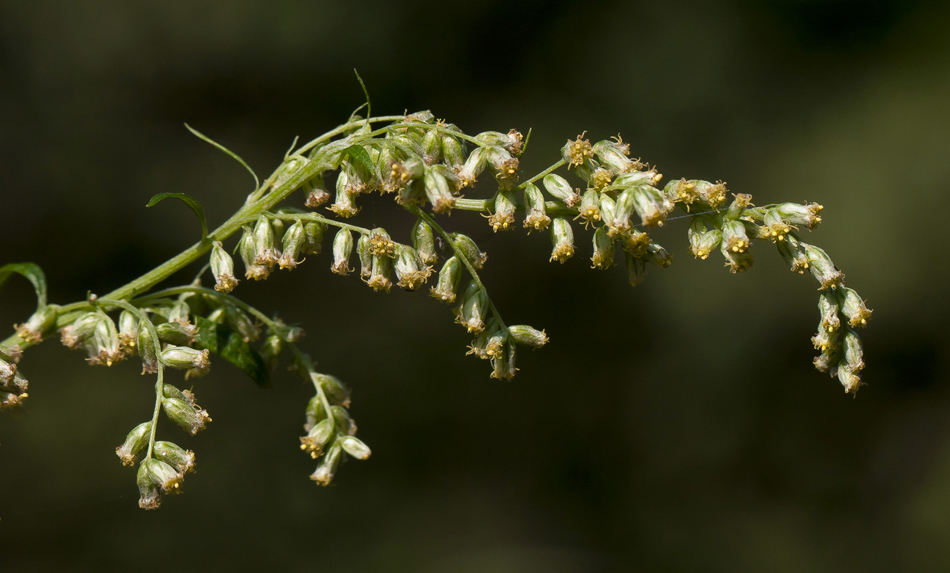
(191, 202)
(358, 155)
(228, 344)
(369, 106)
(235, 156)
(33, 273)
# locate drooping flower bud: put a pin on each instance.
(313, 233)
(453, 151)
(469, 250)
(577, 152)
(474, 165)
(828, 307)
(740, 203)
(822, 268)
(380, 244)
(104, 345)
(798, 214)
(222, 267)
(146, 345)
(411, 272)
(714, 194)
(7, 372)
(658, 255)
(682, 191)
(424, 242)
(317, 437)
(76, 334)
(535, 215)
(853, 307)
(652, 205)
(365, 254)
(849, 379)
(853, 356)
(793, 253)
(439, 182)
(355, 179)
(603, 257)
(328, 465)
(736, 261)
(703, 241)
(191, 418)
(182, 460)
(473, 310)
(504, 216)
(181, 334)
(379, 274)
(432, 147)
(562, 237)
(342, 248)
(317, 193)
(450, 278)
(341, 419)
(38, 324)
(560, 189)
(279, 227)
(345, 204)
(247, 248)
(163, 475)
(613, 155)
(527, 335)
(826, 340)
(184, 358)
(635, 242)
(134, 443)
(149, 497)
(355, 447)
(734, 237)
(510, 141)
(503, 166)
(618, 221)
(293, 243)
(589, 211)
(265, 244)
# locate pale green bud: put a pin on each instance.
(853, 307)
(560, 189)
(342, 248)
(222, 267)
(333, 388)
(504, 216)
(450, 278)
(589, 210)
(658, 255)
(736, 261)
(128, 332)
(828, 307)
(328, 465)
(38, 324)
(473, 309)
(182, 460)
(341, 419)
(793, 254)
(535, 215)
(279, 227)
(453, 151)
(703, 241)
(562, 237)
(613, 155)
(356, 180)
(345, 204)
(510, 141)
(315, 440)
(734, 237)
(432, 147)
(313, 233)
(270, 350)
(618, 221)
(527, 335)
(191, 418)
(636, 179)
(266, 253)
(315, 412)
(774, 228)
(7, 372)
(104, 347)
(503, 166)
(652, 206)
(853, 356)
(738, 206)
(682, 191)
(181, 334)
(438, 191)
(379, 274)
(134, 443)
(355, 447)
(146, 346)
(76, 334)
(149, 497)
(293, 243)
(184, 358)
(240, 322)
(424, 242)
(714, 194)
(163, 475)
(473, 167)
(822, 268)
(364, 251)
(469, 250)
(317, 193)
(247, 248)
(798, 214)
(603, 257)
(411, 272)
(849, 379)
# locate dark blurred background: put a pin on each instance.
(678, 426)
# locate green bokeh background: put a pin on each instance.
(678, 426)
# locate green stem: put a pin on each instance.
(560, 163)
(414, 209)
(209, 292)
(313, 217)
(304, 360)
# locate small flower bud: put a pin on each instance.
(182, 460)
(313, 233)
(736, 261)
(849, 379)
(658, 255)
(333, 388)
(11, 353)
(600, 178)
(379, 274)
(38, 324)
(827, 361)
(342, 248)
(355, 447)
(822, 268)
(738, 206)
(713, 194)
(613, 155)
(652, 206)
(7, 372)
(135, 442)
(589, 210)
(163, 475)
(432, 147)
(828, 307)
(318, 436)
(380, 244)
(702, 241)
(317, 193)
(146, 345)
(577, 152)
(81, 330)
(355, 179)
(222, 267)
(176, 333)
(503, 365)
(603, 257)
(438, 191)
(469, 250)
(266, 253)
(279, 227)
(341, 419)
(270, 350)
(473, 309)
(191, 418)
(424, 242)
(562, 237)
(798, 214)
(450, 278)
(793, 253)
(618, 221)
(473, 167)
(853, 307)
(365, 253)
(453, 152)
(775, 229)
(17, 384)
(527, 335)
(504, 216)
(183, 358)
(247, 248)
(682, 191)
(536, 216)
(510, 141)
(853, 356)
(503, 166)
(734, 237)
(637, 179)
(104, 346)
(345, 204)
(636, 268)
(635, 242)
(411, 272)
(560, 189)
(293, 243)
(148, 491)
(327, 468)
